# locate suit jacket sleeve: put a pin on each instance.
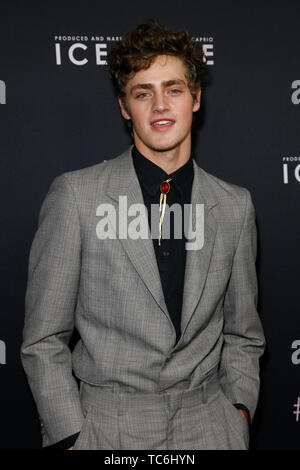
(244, 340)
(50, 301)
(64, 444)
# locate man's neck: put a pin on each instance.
(169, 160)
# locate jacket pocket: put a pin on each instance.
(83, 428)
(237, 419)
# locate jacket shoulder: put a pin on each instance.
(232, 201)
(225, 192)
(94, 173)
(88, 174)
(224, 187)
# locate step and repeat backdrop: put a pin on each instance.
(59, 113)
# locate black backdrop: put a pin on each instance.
(59, 115)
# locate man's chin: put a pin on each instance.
(163, 147)
(157, 145)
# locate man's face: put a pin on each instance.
(160, 105)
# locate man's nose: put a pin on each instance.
(160, 102)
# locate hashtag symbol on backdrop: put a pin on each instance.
(2, 92)
(297, 410)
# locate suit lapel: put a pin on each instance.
(198, 261)
(124, 182)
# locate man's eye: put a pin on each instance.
(142, 95)
(174, 91)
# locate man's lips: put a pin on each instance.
(161, 124)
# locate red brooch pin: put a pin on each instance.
(165, 187)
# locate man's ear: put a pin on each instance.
(196, 105)
(123, 109)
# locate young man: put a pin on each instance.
(170, 338)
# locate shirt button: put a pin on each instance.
(166, 253)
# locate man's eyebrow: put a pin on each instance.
(165, 83)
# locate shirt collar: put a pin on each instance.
(151, 175)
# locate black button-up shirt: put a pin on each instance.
(171, 253)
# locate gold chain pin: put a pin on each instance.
(164, 189)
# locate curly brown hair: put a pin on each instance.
(138, 49)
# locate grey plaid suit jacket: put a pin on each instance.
(110, 291)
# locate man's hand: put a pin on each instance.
(70, 448)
